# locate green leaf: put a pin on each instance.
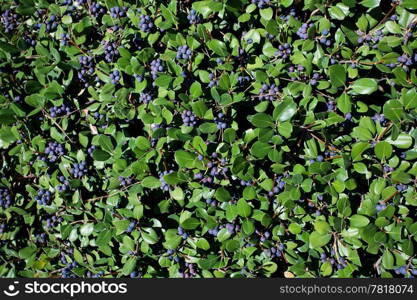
(151, 182)
(27, 252)
(371, 3)
(410, 4)
(106, 143)
(87, 229)
(393, 110)
(338, 12)
(285, 111)
(358, 149)
(129, 266)
(191, 223)
(321, 227)
(149, 236)
(387, 260)
(365, 86)
(195, 90)
(163, 81)
(358, 221)
(248, 227)
(266, 13)
(344, 104)
(260, 149)
(217, 47)
(184, 159)
(337, 75)
(243, 208)
(262, 120)
(383, 150)
(409, 99)
(317, 240)
(408, 247)
(202, 243)
(101, 155)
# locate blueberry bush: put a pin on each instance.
(214, 138)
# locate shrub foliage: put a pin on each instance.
(215, 138)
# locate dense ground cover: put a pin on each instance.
(228, 138)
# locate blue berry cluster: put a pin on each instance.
(98, 116)
(54, 151)
(87, 68)
(53, 221)
(2, 228)
(188, 271)
(268, 92)
(135, 274)
(189, 118)
(5, 198)
(156, 66)
(379, 118)
(171, 255)
(278, 250)
(126, 181)
(219, 120)
(184, 52)
(406, 60)
(67, 270)
(111, 51)
(380, 207)
(9, 20)
(90, 150)
(242, 57)
(278, 187)
(216, 168)
(314, 79)
(30, 40)
(52, 23)
(182, 233)
(232, 228)
(242, 80)
(64, 184)
(96, 9)
(41, 238)
(115, 76)
(340, 263)
(246, 182)
(263, 236)
(131, 226)
(43, 197)
(145, 97)
(213, 80)
(193, 17)
(146, 23)
(295, 69)
(325, 38)
(288, 14)
(99, 274)
(138, 77)
(284, 51)
(117, 12)
(79, 169)
(261, 3)
(302, 31)
(164, 185)
(370, 39)
(57, 111)
(65, 38)
(214, 231)
(404, 270)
